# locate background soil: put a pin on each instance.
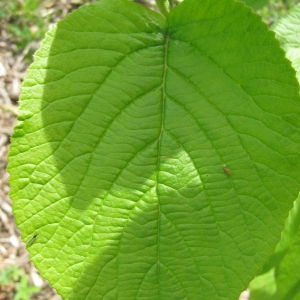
(22, 25)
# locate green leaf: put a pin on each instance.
(291, 229)
(164, 6)
(263, 287)
(287, 31)
(288, 277)
(155, 158)
(284, 264)
(281, 278)
(256, 4)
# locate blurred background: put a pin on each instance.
(23, 24)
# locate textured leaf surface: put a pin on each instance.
(282, 278)
(288, 32)
(288, 275)
(263, 286)
(256, 4)
(281, 281)
(153, 158)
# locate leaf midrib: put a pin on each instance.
(159, 143)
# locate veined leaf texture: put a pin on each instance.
(127, 120)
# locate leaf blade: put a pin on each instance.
(121, 104)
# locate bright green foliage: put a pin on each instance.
(263, 287)
(281, 279)
(156, 158)
(256, 4)
(283, 268)
(164, 6)
(288, 276)
(288, 31)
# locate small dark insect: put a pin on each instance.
(32, 239)
(226, 170)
